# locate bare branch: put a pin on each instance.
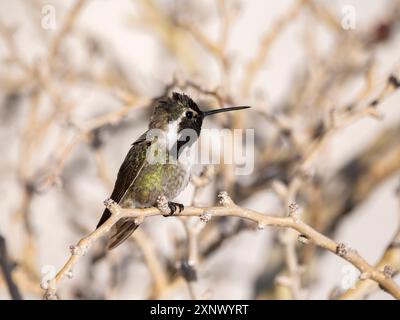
(228, 208)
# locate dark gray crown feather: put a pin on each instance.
(185, 100)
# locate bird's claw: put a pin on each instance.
(174, 207)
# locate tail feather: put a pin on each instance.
(121, 231)
(106, 214)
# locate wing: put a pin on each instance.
(128, 172)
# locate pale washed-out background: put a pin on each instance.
(231, 272)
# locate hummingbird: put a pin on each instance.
(141, 180)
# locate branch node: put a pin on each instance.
(162, 205)
(205, 216)
(294, 212)
(78, 250)
(261, 226)
(224, 199)
(70, 274)
(112, 206)
(109, 203)
(388, 271)
(51, 291)
(303, 239)
(342, 250)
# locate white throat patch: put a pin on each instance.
(171, 135)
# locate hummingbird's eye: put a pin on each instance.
(189, 114)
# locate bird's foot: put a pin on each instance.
(174, 207)
(168, 208)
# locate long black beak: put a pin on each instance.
(210, 112)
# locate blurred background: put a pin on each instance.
(78, 81)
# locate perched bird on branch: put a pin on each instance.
(156, 165)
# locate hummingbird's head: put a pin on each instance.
(180, 112)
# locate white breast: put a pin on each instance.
(172, 133)
(188, 155)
